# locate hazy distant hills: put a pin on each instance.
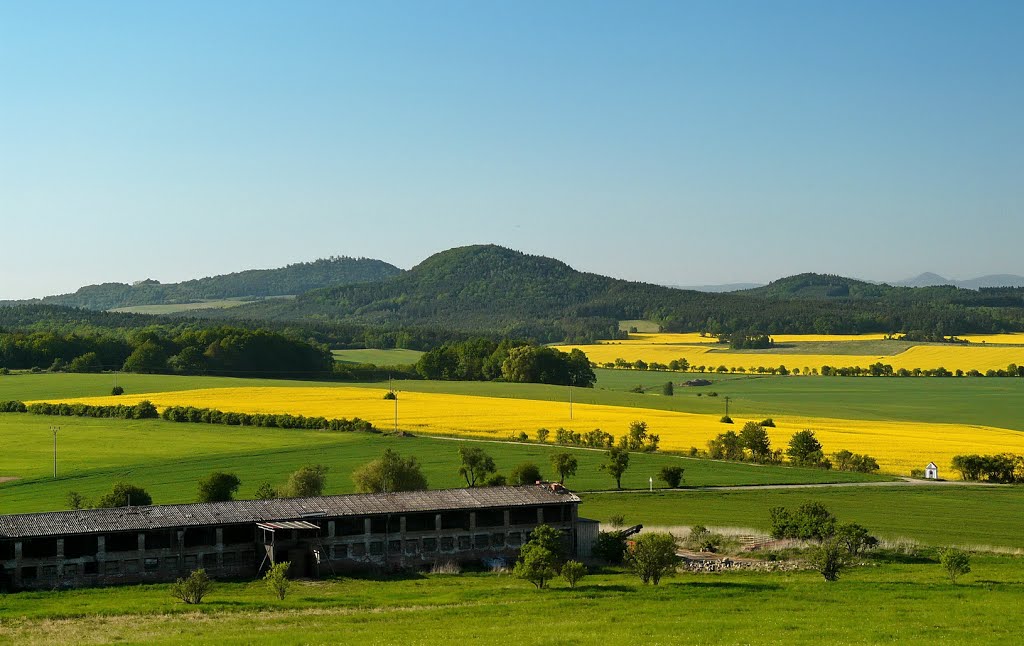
(254, 283)
(929, 279)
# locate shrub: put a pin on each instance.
(306, 482)
(218, 487)
(526, 473)
(610, 547)
(117, 390)
(266, 492)
(855, 538)
(542, 435)
(653, 556)
(726, 419)
(955, 562)
(828, 559)
(194, 588)
(390, 395)
(668, 389)
(389, 473)
(811, 520)
(76, 500)
(769, 422)
(573, 571)
(277, 579)
(672, 476)
(13, 406)
(538, 558)
(703, 540)
(125, 494)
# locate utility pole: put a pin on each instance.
(570, 401)
(727, 398)
(55, 429)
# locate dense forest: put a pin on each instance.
(165, 349)
(500, 292)
(481, 359)
(254, 283)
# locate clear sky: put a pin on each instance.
(674, 142)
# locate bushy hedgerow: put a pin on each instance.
(267, 420)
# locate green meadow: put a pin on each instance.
(889, 599)
(168, 459)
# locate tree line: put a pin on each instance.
(481, 359)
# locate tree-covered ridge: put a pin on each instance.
(490, 289)
(255, 283)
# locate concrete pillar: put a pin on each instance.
(437, 522)
(472, 521)
(220, 547)
(508, 518)
(142, 542)
(17, 550)
(60, 549)
(330, 529)
(540, 515)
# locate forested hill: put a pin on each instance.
(256, 283)
(491, 289)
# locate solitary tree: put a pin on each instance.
(266, 491)
(668, 389)
(542, 435)
(218, 487)
(125, 494)
(565, 464)
(75, 500)
(653, 556)
(307, 481)
(955, 563)
(539, 556)
(618, 462)
(476, 465)
(526, 473)
(388, 473)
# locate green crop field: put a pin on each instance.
(931, 514)
(394, 357)
(168, 458)
(172, 308)
(884, 601)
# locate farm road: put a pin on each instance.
(902, 482)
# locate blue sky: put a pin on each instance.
(675, 142)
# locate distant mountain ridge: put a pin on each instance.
(928, 279)
(292, 279)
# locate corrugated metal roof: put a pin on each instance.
(92, 521)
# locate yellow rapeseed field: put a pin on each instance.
(898, 446)
(694, 338)
(927, 357)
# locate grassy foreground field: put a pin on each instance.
(168, 459)
(879, 603)
(395, 357)
(932, 514)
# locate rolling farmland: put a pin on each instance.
(898, 446)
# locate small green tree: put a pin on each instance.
(125, 494)
(829, 558)
(955, 562)
(76, 500)
(855, 538)
(191, 590)
(668, 389)
(755, 439)
(542, 435)
(672, 476)
(572, 572)
(565, 465)
(218, 487)
(277, 579)
(618, 462)
(805, 449)
(266, 491)
(610, 547)
(526, 473)
(307, 481)
(536, 565)
(653, 556)
(389, 473)
(476, 465)
(117, 390)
